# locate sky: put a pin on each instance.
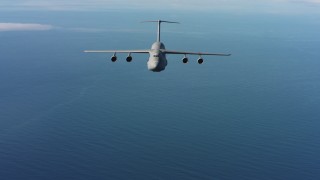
(287, 7)
(199, 5)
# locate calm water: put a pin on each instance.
(255, 115)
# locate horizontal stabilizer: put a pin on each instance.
(159, 26)
(160, 21)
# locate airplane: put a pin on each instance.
(157, 61)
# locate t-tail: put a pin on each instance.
(159, 27)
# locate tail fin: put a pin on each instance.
(159, 28)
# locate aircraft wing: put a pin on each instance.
(194, 53)
(118, 51)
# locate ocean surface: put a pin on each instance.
(65, 114)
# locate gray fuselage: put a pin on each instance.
(157, 61)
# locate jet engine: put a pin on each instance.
(114, 58)
(185, 60)
(129, 58)
(200, 60)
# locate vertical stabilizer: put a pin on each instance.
(159, 27)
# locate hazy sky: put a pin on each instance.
(300, 7)
(272, 6)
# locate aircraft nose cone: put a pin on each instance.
(152, 66)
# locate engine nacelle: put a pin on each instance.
(114, 58)
(185, 60)
(129, 58)
(200, 61)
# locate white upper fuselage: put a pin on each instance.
(157, 61)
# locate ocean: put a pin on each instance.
(65, 114)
